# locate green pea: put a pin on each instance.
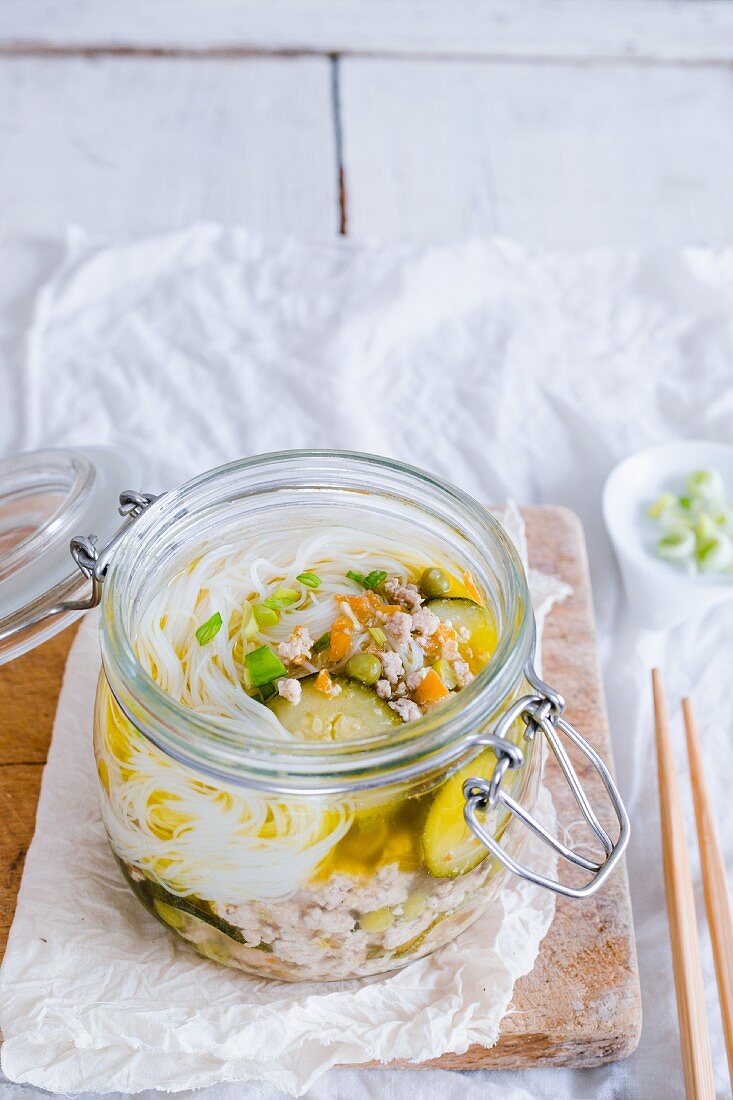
(434, 583)
(364, 667)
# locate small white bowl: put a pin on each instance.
(660, 594)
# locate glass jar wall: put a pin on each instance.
(307, 860)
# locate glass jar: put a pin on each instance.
(321, 861)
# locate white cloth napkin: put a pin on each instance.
(508, 372)
(96, 996)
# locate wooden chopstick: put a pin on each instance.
(715, 885)
(697, 1058)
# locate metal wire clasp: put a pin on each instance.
(542, 711)
(91, 561)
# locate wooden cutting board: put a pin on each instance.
(580, 1005)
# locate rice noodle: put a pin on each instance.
(221, 843)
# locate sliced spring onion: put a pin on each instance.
(266, 616)
(251, 628)
(707, 486)
(209, 629)
(724, 518)
(716, 555)
(697, 526)
(706, 529)
(661, 505)
(322, 643)
(371, 580)
(250, 625)
(677, 545)
(263, 666)
(378, 635)
(280, 598)
(310, 580)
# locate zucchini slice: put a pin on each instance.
(461, 612)
(449, 847)
(476, 620)
(183, 914)
(357, 711)
(185, 917)
(206, 938)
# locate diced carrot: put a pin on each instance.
(366, 607)
(471, 588)
(359, 606)
(323, 683)
(340, 643)
(443, 643)
(379, 605)
(430, 689)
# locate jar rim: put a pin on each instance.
(208, 746)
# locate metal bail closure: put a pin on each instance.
(91, 562)
(542, 711)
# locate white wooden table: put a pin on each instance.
(558, 122)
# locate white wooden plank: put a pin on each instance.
(128, 145)
(657, 29)
(557, 155)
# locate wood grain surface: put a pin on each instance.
(580, 1006)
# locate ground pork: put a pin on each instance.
(298, 647)
(462, 672)
(383, 689)
(406, 594)
(290, 690)
(398, 626)
(327, 921)
(407, 710)
(316, 934)
(414, 679)
(447, 643)
(391, 666)
(425, 622)
(330, 894)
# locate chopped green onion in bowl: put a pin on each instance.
(706, 486)
(677, 545)
(697, 525)
(716, 556)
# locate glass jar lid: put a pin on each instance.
(46, 497)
